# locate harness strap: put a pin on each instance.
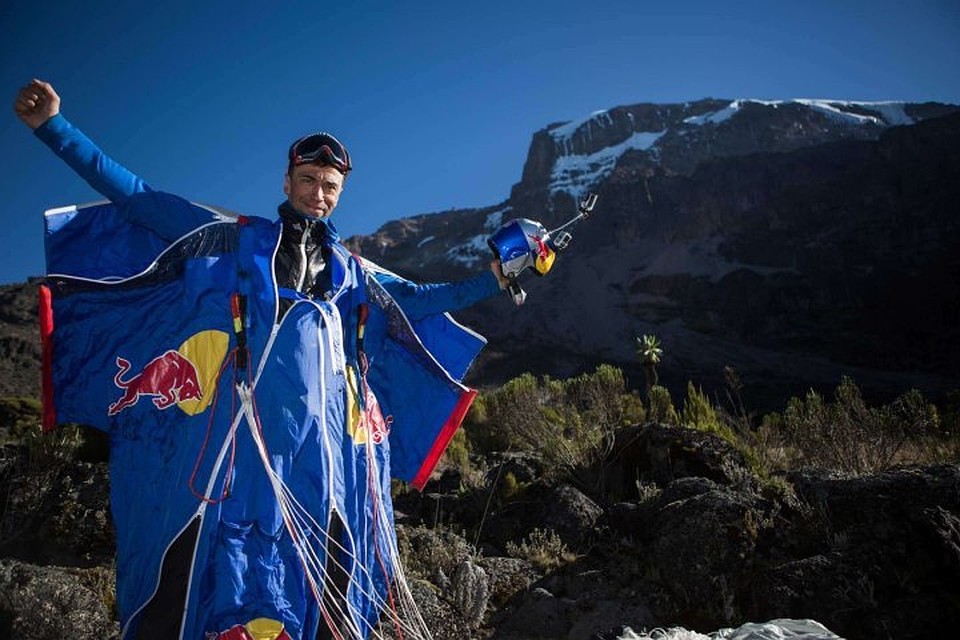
(238, 309)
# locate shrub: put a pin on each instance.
(430, 553)
(457, 454)
(847, 435)
(470, 589)
(661, 406)
(698, 413)
(542, 548)
(773, 447)
(500, 415)
(570, 424)
(602, 397)
(509, 486)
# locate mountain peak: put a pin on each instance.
(572, 157)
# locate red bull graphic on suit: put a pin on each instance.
(168, 378)
(178, 377)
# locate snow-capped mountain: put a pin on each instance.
(737, 231)
(679, 137)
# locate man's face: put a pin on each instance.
(313, 190)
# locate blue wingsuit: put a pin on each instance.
(244, 421)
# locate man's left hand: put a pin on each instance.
(498, 273)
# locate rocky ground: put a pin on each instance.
(671, 529)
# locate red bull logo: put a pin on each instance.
(545, 255)
(169, 378)
(366, 422)
(178, 377)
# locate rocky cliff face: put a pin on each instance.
(795, 241)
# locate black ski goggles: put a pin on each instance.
(322, 148)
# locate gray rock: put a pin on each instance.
(563, 509)
(703, 545)
(508, 577)
(660, 454)
(39, 603)
(540, 615)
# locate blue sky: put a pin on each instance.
(437, 101)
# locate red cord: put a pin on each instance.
(231, 358)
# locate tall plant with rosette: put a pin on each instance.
(650, 354)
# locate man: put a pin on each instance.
(251, 496)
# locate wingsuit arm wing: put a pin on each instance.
(422, 300)
(107, 176)
(135, 199)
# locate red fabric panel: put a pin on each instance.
(443, 438)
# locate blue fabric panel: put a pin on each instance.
(121, 250)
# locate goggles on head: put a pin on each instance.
(322, 148)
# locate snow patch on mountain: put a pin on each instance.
(475, 249)
(845, 111)
(470, 252)
(715, 117)
(893, 112)
(495, 219)
(834, 110)
(425, 241)
(890, 113)
(563, 133)
(576, 173)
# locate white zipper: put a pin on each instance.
(303, 256)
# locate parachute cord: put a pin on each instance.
(252, 414)
(309, 561)
(206, 438)
(410, 623)
(415, 625)
(331, 626)
(294, 518)
(374, 489)
(486, 509)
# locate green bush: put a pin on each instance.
(544, 549)
(699, 413)
(850, 436)
(775, 450)
(457, 454)
(509, 486)
(496, 417)
(602, 397)
(661, 406)
(570, 423)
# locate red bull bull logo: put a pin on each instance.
(178, 377)
(169, 379)
(545, 255)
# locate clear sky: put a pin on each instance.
(436, 100)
